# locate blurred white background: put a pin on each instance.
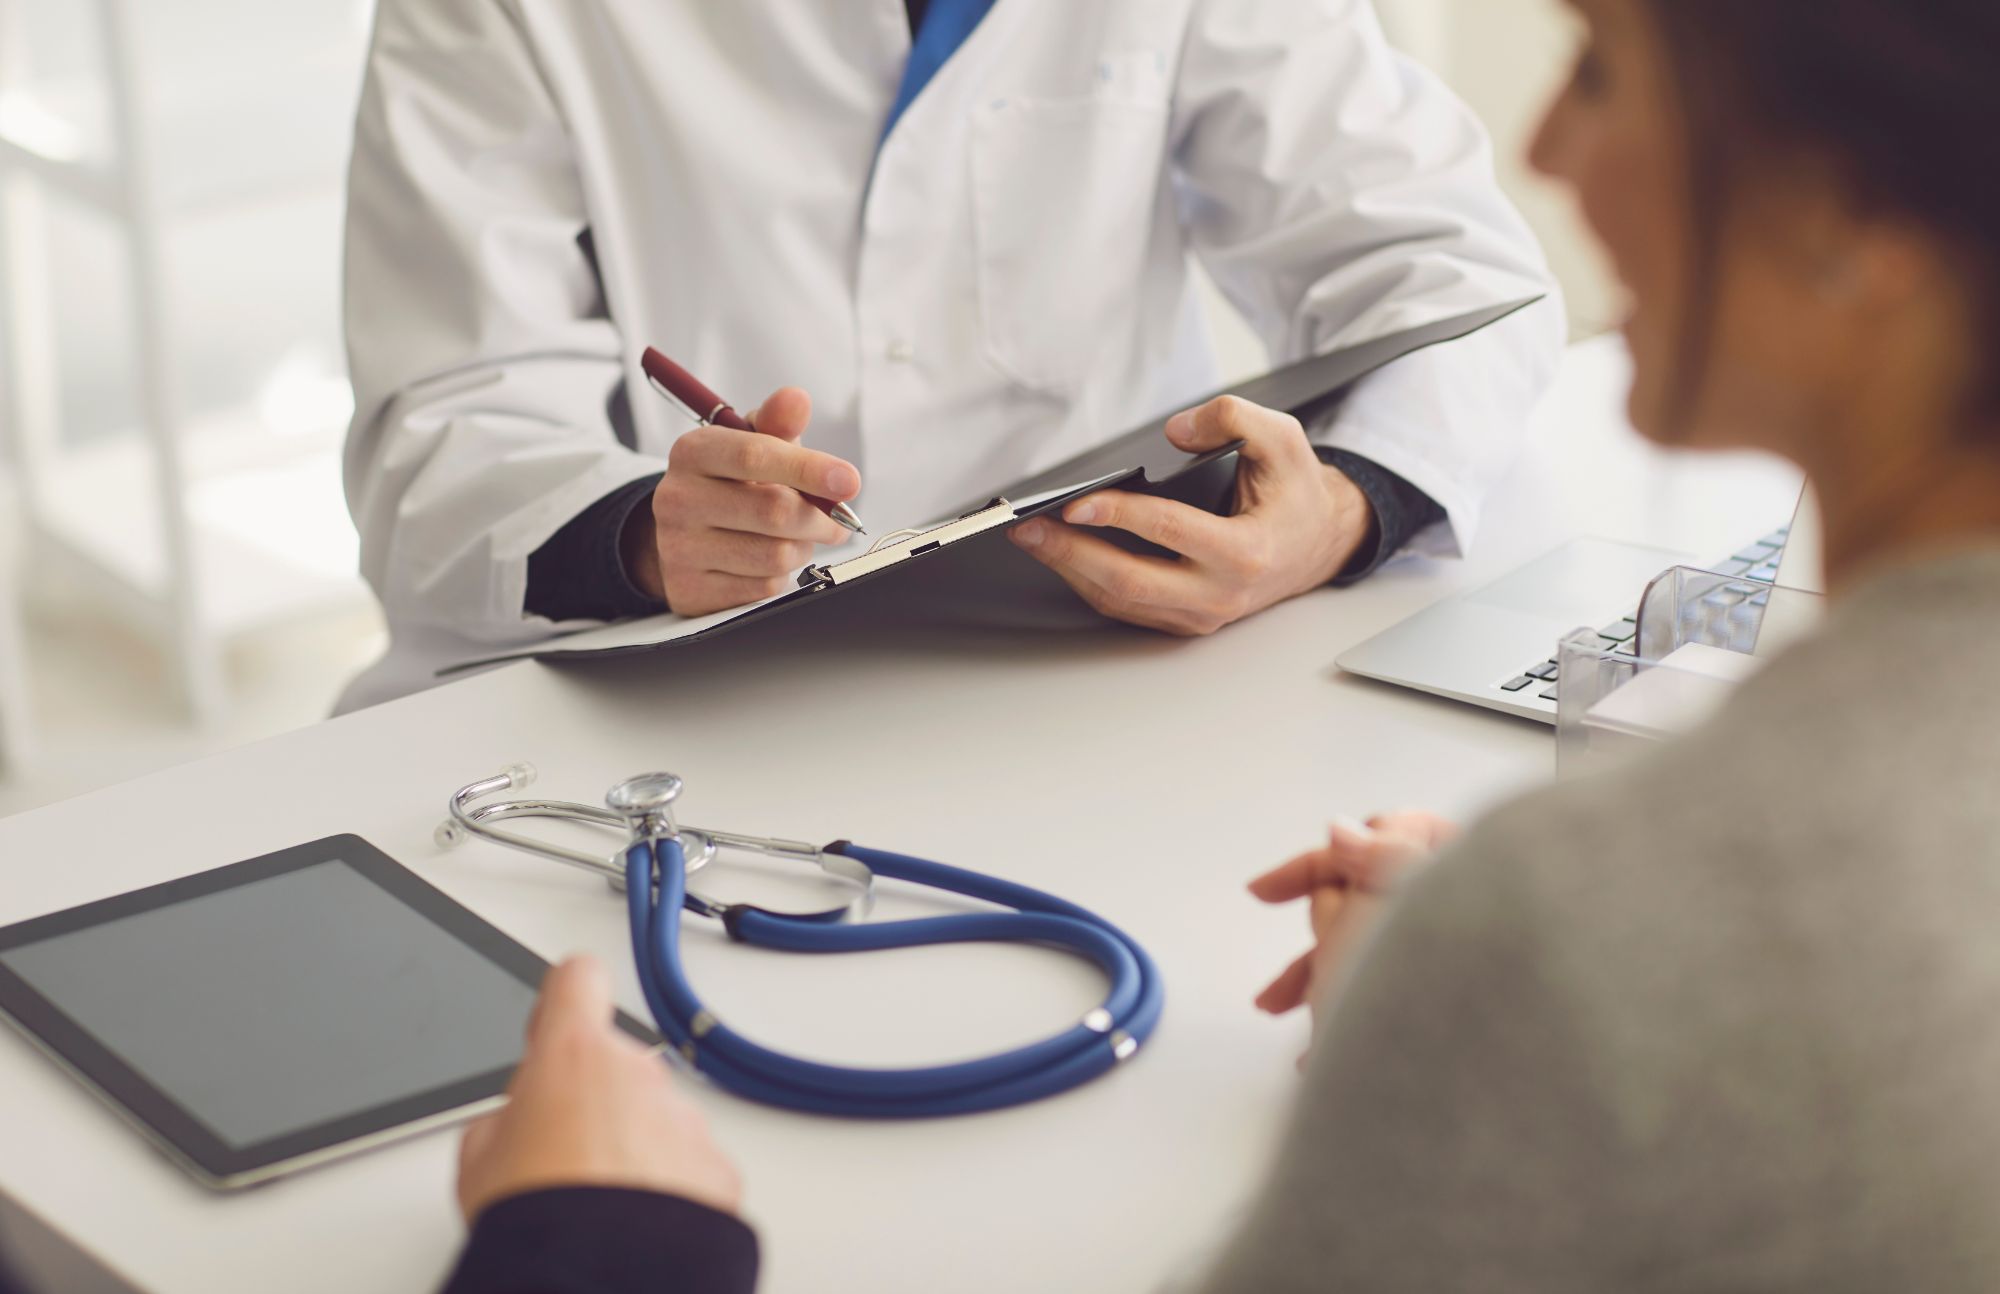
(173, 540)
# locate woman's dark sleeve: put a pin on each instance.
(596, 1240)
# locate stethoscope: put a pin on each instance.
(656, 862)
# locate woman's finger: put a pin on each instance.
(576, 995)
(472, 1148)
(1381, 852)
(1340, 936)
(1297, 877)
(1423, 830)
(1327, 907)
(1288, 991)
(1340, 864)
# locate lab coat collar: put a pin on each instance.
(947, 26)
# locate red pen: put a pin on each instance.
(705, 406)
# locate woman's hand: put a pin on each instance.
(1346, 882)
(729, 522)
(591, 1107)
(1296, 526)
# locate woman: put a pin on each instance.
(1728, 1019)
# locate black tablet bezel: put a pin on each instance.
(214, 1160)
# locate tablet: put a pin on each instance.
(279, 1013)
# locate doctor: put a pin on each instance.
(954, 237)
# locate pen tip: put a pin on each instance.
(847, 517)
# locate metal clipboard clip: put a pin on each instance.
(905, 544)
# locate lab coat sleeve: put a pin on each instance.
(1336, 191)
(482, 355)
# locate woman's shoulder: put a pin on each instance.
(1862, 754)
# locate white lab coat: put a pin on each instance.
(1006, 283)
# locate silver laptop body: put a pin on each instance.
(1495, 646)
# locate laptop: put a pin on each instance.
(1495, 646)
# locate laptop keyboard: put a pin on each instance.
(1757, 563)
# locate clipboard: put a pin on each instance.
(965, 560)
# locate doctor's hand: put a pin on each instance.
(729, 523)
(1297, 524)
(590, 1107)
(1346, 884)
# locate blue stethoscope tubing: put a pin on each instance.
(656, 891)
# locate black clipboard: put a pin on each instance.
(964, 569)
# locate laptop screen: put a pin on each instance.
(1803, 566)
(1798, 602)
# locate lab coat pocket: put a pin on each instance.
(1065, 193)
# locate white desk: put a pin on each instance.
(1143, 777)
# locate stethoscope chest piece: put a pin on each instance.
(647, 802)
(636, 805)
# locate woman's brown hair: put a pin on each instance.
(1899, 100)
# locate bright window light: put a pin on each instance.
(304, 396)
(35, 128)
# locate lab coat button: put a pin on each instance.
(901, 352)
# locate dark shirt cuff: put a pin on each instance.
(598, 1240)
(1402, 511)
(579, 573)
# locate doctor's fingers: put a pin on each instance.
(1236, 550)
(1170, 596)
(697, 503)
(700, 593)
(736, 552)
(732, 455)
(1267, 435)
(1144, 617)
(786, 414)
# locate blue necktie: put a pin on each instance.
(946, 25)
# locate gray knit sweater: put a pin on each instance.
(1727, 1019)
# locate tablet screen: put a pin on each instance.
(268, 1012)
(284, 1003)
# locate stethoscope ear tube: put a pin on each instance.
(656, 891)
